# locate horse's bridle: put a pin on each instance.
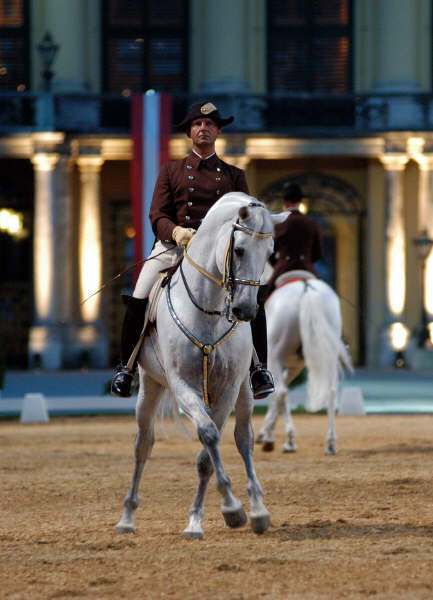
(229, 281)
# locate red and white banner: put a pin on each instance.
(151, 129)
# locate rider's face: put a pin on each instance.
(204, 132)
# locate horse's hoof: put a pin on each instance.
(268, 446)
(289, 448)
(125, 528)
(190, 534)
(235, 518)
(260, 523)
(331, 451)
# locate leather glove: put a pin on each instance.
(182, 235)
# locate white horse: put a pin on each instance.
(304, 329)
(203, 358)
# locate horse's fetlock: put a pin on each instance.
(131, 502)
(223, 484)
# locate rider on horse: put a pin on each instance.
(297, 241)
(184, 192)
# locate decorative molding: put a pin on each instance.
(394, 161)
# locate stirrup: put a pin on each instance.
(262, 382)
(121, 383)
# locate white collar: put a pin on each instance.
(202, 157)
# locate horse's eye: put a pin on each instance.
(239, 251)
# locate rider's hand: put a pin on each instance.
(182, 235)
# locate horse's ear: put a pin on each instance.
(280, 217)
(243, 213)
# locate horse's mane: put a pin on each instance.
(227, 207)
(235, 200)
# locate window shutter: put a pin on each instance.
(309, 46)
(13, 44)
(146, 45)
(330, 60)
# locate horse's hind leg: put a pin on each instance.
(290, 444)
(331, 436)
(147, 403)
(276, 405)
(259, 515)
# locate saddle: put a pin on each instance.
(281, 281)
(155, 294)
(292, 276)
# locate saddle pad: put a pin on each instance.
(292, 276)
(154, 296)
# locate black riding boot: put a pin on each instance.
(131, 329)
(261, 379)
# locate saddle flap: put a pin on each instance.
(154, 296)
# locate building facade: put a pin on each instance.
(335, 95)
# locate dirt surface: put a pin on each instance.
(356, 525)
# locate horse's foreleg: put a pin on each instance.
(194, 529)
(147, 403)
(209, 436)
(244, 437)
(331, 436)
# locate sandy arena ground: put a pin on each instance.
(356, 525)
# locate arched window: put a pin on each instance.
(309, 46)
(14, 45)
(145, 45)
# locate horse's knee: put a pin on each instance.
(208, 434)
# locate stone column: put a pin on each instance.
(395, 246)
(45, 343)
(420, 356)
(91, 336)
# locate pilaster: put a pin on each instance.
(91, 334)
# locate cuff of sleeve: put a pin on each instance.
(164, 229)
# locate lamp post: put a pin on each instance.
(423, 244)
(47, 49)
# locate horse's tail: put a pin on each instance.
(324, 351)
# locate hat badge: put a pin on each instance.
(208, 108)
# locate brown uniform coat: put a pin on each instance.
(297, 245)
(186, 189)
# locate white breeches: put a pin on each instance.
(151, 268)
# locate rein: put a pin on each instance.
(134, 266)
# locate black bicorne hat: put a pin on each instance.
(293, 193)
(203, 109)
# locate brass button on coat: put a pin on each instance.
(190, 189)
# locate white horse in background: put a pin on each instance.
(304, 329)
(201, 349)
